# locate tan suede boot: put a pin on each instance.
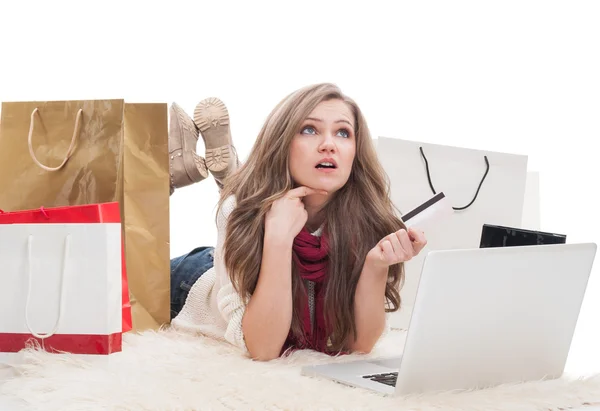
(186, 167)
(212, 119)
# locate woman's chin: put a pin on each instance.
(330, 187)
(328, 184)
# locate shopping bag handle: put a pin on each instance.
(42, 210)
(69, 151)
(487, 164)
(61, 304)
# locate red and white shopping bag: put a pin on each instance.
(63, 281)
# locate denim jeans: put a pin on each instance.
(185, 271)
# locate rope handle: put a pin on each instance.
(62, 297)
(41, 210)
(487, 163)
(69, 151)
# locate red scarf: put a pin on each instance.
(311, 257)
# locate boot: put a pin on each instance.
(186, 167)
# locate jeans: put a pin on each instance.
(185, 271)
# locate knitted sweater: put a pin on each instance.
(213, 307)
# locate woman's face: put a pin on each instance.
(323, 150)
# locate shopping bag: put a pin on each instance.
(93, 213)
(67, 153)
(532, 204)
(61, 283)
(482, 187)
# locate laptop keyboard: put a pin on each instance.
(387, 378)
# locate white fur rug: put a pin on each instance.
(172, 371)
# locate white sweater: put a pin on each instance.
(213, 307)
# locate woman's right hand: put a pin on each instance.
(287, 215)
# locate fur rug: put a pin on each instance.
(168, 370)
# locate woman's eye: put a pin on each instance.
(308, 130)
(344, 133)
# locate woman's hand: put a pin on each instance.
(287, 215)
(397, 248)
(369, 311)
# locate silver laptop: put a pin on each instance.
(482, 317)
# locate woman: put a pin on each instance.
(310, 251)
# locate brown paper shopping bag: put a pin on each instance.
(61, 153)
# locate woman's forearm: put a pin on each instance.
(369, 307)
(268, 316)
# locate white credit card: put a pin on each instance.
(429, 214)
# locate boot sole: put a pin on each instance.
(212, 119)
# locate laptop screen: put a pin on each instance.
(501, 236)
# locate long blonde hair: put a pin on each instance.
(358, 216)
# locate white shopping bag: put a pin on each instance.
(532, 207)
(60, 288)
(482, 187)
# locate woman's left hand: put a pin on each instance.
(397, 248)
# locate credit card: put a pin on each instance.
(432, 211)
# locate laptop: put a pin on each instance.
(482, 317)
(502, 236)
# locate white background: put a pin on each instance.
(515, 76)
